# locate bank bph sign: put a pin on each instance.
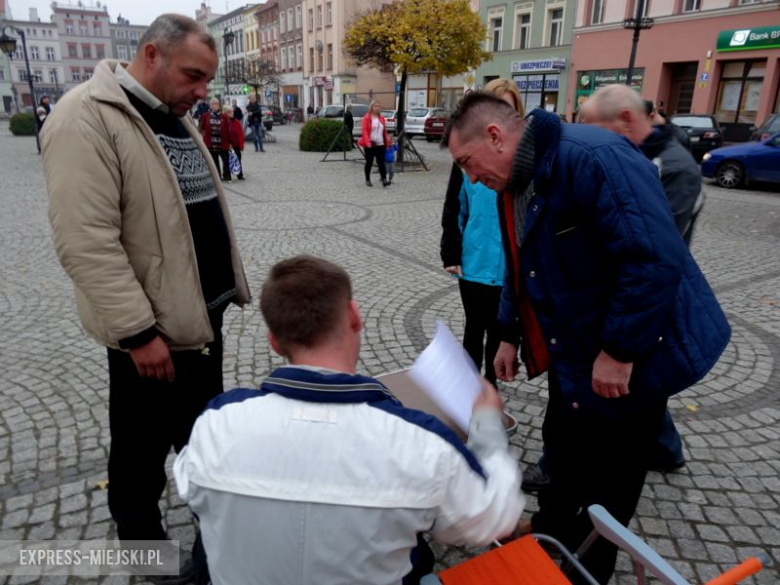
(766, 37)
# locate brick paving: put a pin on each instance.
(724, 506)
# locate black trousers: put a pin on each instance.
(480, 303)
(378, 153)
(146, 418)
(221, 155)
(591, 461)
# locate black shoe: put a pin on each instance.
(666, 467)
(241, 178)
(385, 183)
(186, 573)
(534, 479)
(369, 184)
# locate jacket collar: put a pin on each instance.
(316, 386)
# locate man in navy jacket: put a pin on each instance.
(601, 293)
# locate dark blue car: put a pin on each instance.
(731, 166)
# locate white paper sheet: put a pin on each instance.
(446, 373)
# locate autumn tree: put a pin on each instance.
(417, 36)
(257, 73)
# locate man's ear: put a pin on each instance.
(496, 136)
(275, 345)
(355, 322)
(626, 116)
(151, 54)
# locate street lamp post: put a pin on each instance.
(638, 23)
(227, 38)
(8, 46)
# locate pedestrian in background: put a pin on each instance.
(236, 138)
(237, 113)
(142, 228)
(374, 140)
(255, 121)
(390, 154)
(471, 250)
(215, 129)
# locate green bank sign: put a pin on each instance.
(748, 39)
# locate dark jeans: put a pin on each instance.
(146, 418)
(668, 449)
(222, 155)
(258, 132)
(480, 303)
(378, 153)
(592, 461)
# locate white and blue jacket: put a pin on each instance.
(322, 477)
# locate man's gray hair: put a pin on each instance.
(608, 101)
(170, 30)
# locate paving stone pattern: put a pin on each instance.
(724, 506)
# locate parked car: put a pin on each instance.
(334, 111)
(434, 125)
(703, 131)
(769, 127)
(414, 125)
(276, 115)
(390, 117)
(358, 111)
(732, 166)
(268, 117)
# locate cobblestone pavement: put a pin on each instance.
(723, 506)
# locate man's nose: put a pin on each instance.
(471, 175)
(201, 91)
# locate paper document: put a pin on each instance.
(446, 373)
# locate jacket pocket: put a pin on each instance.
(152, 280)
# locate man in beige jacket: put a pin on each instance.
(141, 225)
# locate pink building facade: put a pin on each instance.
(719, 57)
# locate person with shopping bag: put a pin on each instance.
(236, 143)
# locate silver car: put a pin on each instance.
(415, 119)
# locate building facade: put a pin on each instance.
(44, 54)
(530, 43)
(124, 38)
(329, 75)
(85, 38)
(230, 78)
(267, 16)
(291, 53)
(719, 57)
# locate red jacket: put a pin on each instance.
(236, 134)
(205, 130)
(365, 137)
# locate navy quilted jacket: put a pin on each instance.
(605, 268)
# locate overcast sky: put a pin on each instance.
(136, 11)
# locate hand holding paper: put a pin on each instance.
(446, 373)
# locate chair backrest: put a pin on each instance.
(640, 552)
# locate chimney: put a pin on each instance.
(34, 15)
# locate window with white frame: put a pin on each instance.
(290, 19)
(311, 18)
(284, 59)
(121, 34)
(97, 31)
(555, 18)
(52, 76)
(69, 27)
(282, 21)
(299, 55)
(133, 35)
(495, 29)
(291, 57)
(83, 29)
(35, 53)
(50, 56)
(319, 16)
(330, 13)
(2, 75)
(121, 52)
(523, 30)
(691, 5)
(298, 13)
(37, 74)
(75, 74)
(597, 16)
(88, 73)
(742, 2)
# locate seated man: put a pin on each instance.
(321, 475)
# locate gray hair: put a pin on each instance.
(608, 101)
(168, 31)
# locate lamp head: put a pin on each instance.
(7, 44)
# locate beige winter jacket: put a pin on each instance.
(119, 222)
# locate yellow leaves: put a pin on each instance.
(419, 35)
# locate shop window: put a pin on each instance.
(739, 92)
